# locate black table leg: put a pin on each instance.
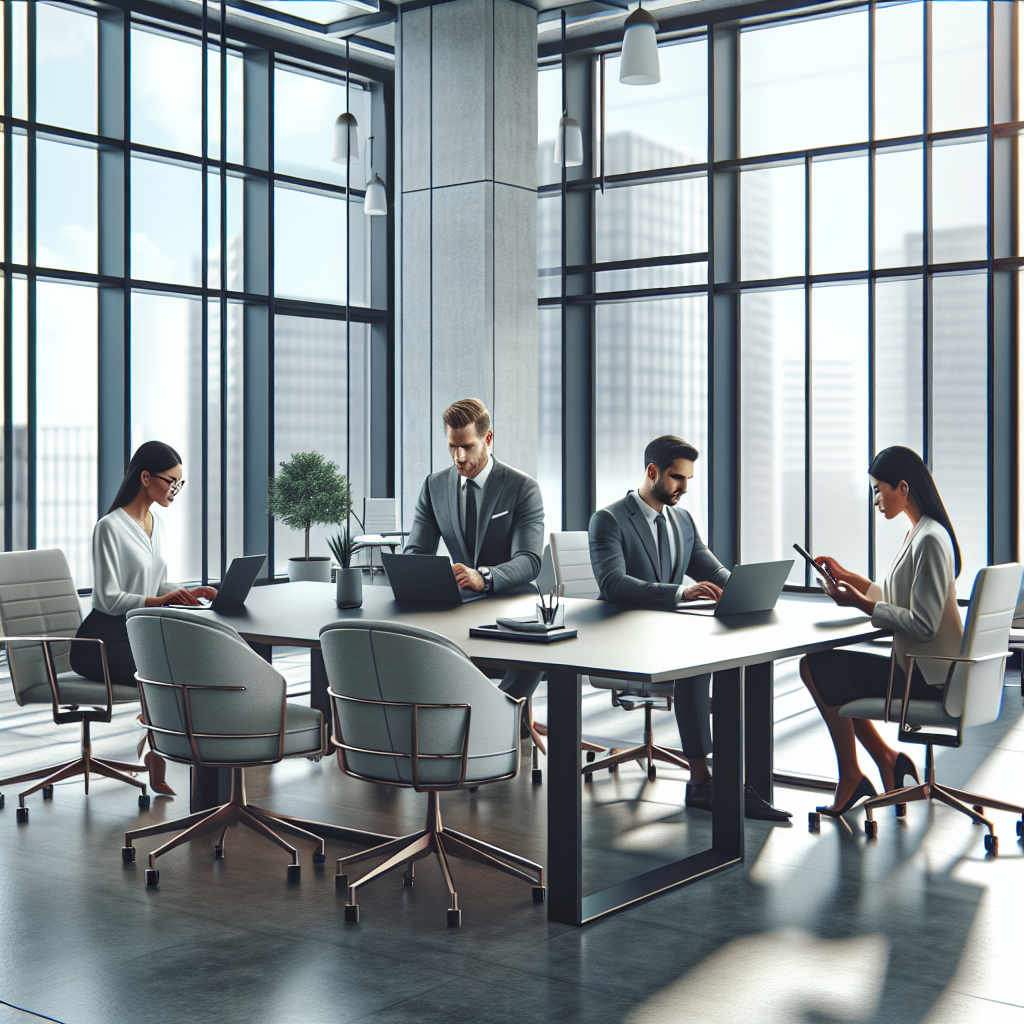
(565, 798)
(318, 684)
(727, 816)
(759, 730)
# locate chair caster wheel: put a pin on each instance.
(992, 845)
(1020, 824)
(473, 789)
(588, 776)
(979, 809)
(454, 918)
(591, 756)
(901, 810)
(218, 851)
(152, 876)
(871, 828)
(408, 880)
(47, 792)
(22, 815)
(352, 912)
(127, 854)
(652, 772)
(294, 873)
(539, 892)
(319, 857)
(613, 769)
(537, 776)
(3, 800)
(813, 821)
(341, 885)
(144, 801)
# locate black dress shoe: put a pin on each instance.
(864, 791)
(700, 795)
(755, 806)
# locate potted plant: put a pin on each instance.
(349, 578)
(309, 490)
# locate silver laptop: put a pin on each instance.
(425, 578)
(751, 588)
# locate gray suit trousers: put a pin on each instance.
(693, 715)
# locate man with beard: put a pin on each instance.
(641, 547)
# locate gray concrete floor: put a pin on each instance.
(918, 927)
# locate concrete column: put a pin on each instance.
(467, 262)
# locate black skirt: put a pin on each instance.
(86, 659)
(843, 676)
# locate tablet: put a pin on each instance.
(820, 570)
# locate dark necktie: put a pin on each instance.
(469, 526)
(664, 552)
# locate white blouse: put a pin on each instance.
(128, 565)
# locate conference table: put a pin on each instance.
(615, 641)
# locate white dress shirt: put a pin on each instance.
(480, 479)
(651, 515)
(128, 564)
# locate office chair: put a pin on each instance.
(390, 729)
(972, 696)
(209, 700)
(39, 613)
(570, 555)
(379, 520)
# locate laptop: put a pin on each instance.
(235, 586)
(754, 587)
(425, 578)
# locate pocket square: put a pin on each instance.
(498, 515)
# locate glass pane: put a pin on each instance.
(959, 64)
(549, 246)
(305, 109)
(19, 183)
(839, 215)
(672, 276)
(167, 232)
(899, 239)
(66, 432)
(664, 219)
(17, 503)
(66, 49)
(310, 247)
(549, 417)
(651, 379)
(66, 206)
(663, 127)
(167, 405)
(899, 70)
(899, 390)
(19, 64)
(959, 451)
(166, 115)
(310, 410)
(804, 84)
(549, 111)
(772, 216)
(840, 500)
(235, 128)
(235, 250)
(959, 202)
(772, 426)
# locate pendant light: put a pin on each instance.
(569, 140)
(375, 202)
(639, 64)
(346, 129)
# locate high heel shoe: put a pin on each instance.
(901, 769)
(157, 767)
(864, 791)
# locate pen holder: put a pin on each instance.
(554, 617)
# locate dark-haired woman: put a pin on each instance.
(917, 601)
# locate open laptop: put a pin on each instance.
(425, 578)
(751, 588)
(235, 586)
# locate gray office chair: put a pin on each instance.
(390, 729)
(39, 612)
(972, 696)
(209, 700)
(570, 556)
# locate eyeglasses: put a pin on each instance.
(173, 485)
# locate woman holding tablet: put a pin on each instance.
(917, 601)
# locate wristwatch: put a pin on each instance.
(488, 579)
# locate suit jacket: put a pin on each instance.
(625, 556)
(917, 601)
(510, 535)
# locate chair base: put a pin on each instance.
(236, 811)
(442, 842)
(648, 752)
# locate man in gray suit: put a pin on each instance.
(641, 547)
(490, 515)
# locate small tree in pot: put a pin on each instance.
(309, 490)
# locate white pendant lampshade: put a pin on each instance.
(346, 139)
(639, 64)
(569, 129)
(375, 203)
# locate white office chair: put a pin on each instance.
(570, 556)
(379, 519)
(972, 696)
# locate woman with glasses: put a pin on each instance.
(130, 570)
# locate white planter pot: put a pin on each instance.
(312, 570)
(349, 583)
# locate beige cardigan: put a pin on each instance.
(917, 601)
